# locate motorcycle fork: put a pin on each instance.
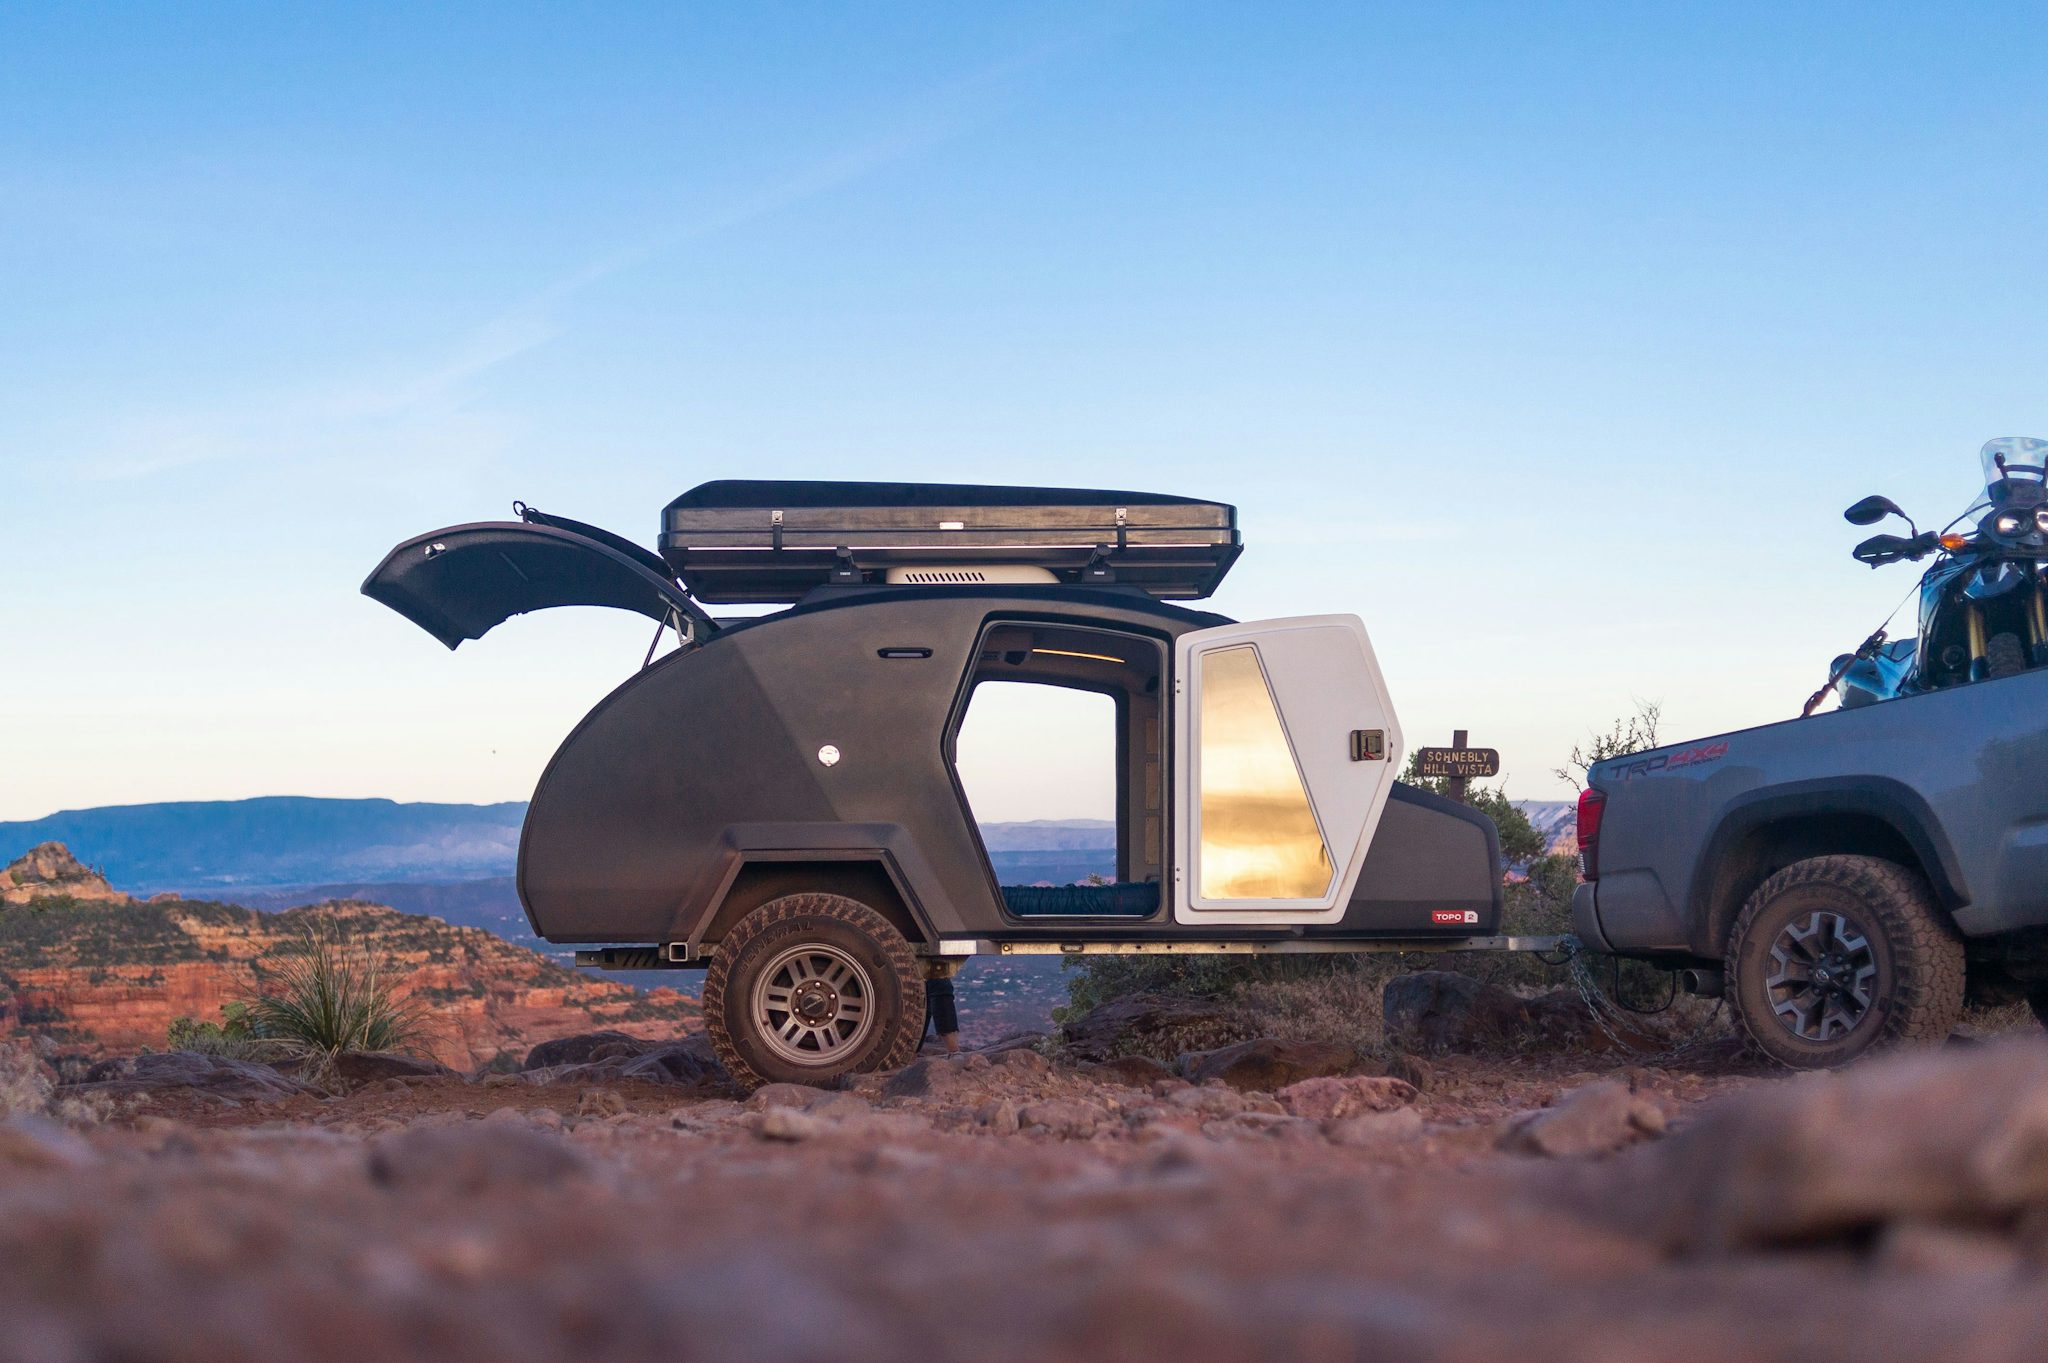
(2037, 627)
(1973, 619)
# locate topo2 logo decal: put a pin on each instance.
(1453, 917)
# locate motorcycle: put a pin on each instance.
(1984, 600)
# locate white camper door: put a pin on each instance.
(1286, 746)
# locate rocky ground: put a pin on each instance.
(614, 1200)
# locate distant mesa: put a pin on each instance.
(49, 871)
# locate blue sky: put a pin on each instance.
(1549, 339)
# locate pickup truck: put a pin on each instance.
(1844, 879)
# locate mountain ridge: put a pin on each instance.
(298, 840)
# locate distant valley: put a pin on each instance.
(455, 862)
(269, 848)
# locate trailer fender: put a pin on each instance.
(878, 864)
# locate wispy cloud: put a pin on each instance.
(432, 393)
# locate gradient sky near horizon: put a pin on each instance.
(1549, 339)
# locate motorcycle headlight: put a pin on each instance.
(2041, 520)
(2007, 523)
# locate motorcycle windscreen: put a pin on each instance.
(1286, 748)
(461, 582)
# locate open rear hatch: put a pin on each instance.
(461, 582)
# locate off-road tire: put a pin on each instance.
(2004, 657)
(836, 923)
(1917, 993)
(2037, 1000)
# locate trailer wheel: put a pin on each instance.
(1834, 957)
(810, 987)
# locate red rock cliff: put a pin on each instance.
(101, 973)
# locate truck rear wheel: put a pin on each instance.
(810, 987)
(1834, 957)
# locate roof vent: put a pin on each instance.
(1004, 573)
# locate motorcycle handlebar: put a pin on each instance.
(1879, 550)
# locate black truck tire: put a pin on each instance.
(810, 987)
(1836, 957)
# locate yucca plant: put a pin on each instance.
(328, 994)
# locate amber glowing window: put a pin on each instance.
(1258, 834)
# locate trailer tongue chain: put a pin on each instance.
(1612, 1017)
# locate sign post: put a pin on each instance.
(1457, 764)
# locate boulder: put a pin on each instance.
(1441, 1010)
(473, 1157)
(789, 1124)
(584, 1048)
(1270, 1125)
(1138, 1071)
(689, 1061)
(1021, 1060)
(837, 1105)
(1374, 1130)
(212, 1074)
(1216, 1101)
(1268, 1063)
(781, 1095)
(929, 1078)
(1069, 1117)
(1142, 1023)
(1594, 1119)
(612, 1057)
(369, 1067)
(1955, 1138)
(594, 1104)
(1330, 1098)
(998, 1115)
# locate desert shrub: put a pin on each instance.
(330, 993)
(24, 1086)
(1340, 1005)
(1635, 732)
(234, 1036)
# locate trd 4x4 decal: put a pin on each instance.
(1685, 757)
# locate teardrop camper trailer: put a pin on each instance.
(776, 799)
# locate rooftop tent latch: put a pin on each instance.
(1123, 529)
(775, 530)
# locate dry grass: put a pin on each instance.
(1343, 1007)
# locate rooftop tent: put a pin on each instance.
(740, 540)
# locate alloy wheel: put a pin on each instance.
(1823, 973)
(814, 1003)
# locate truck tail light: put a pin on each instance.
(1592, 804)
